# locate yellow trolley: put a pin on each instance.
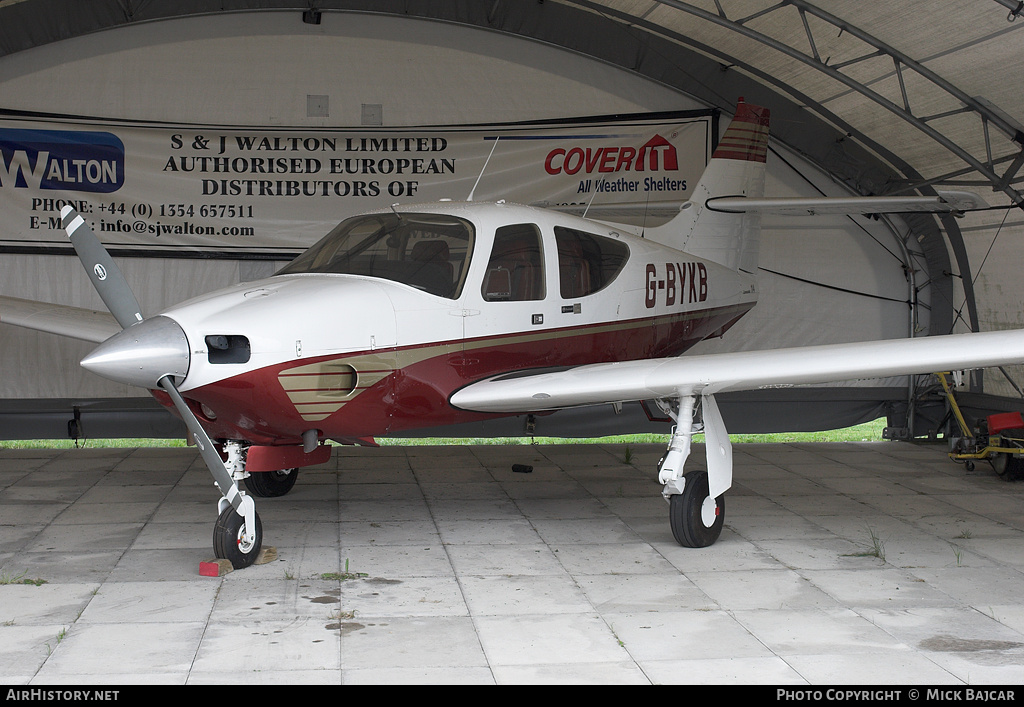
(999, 438)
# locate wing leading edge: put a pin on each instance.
(743, 370)
(64, 320)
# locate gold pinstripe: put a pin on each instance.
(318, 390)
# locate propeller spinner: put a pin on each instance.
(142, 354)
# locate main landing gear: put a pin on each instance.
(271, 484)
(695, 517)
(697, 498)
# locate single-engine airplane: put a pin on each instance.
(428, 315)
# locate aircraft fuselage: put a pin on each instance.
(357, 355)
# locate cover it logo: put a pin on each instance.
(613, 159)
(61, 160)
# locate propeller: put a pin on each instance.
(105, 276)
(154, 353)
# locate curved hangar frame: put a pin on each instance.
(887, 103)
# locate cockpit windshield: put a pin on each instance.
(427, 251)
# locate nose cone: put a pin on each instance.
(142, 354)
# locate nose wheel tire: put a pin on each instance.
(695, 517)
(268, 484)
(229, 539)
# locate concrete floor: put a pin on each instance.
(465, 572)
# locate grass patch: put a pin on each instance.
(20, 579)
(344, 576)
(876, 547)
(89, 443)
(868, 432)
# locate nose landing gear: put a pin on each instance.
(232, 542)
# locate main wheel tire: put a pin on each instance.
(228, 539)
(695, 517)
(268, 484)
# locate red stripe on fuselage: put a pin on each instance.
(255, 406)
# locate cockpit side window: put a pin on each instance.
(425, 251)
(587, 263)
(515, 270)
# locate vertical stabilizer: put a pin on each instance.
(736, 169)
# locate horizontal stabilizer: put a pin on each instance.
(944, 202)
(708, 374)
(74, 322)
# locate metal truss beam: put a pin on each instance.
(988, 116)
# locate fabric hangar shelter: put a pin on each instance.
(866, 98)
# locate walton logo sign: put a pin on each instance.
(652, 155)
(61, 160)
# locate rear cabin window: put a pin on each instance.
(587, 263)
(515, 270)
(425, 251)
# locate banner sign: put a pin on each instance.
(170, 190)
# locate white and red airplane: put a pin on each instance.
(452, 312)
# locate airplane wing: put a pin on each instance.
(743, 370)
(687, 378)
(77, 323)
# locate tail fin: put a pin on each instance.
(736, 169)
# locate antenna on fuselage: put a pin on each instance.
(394, 210)
(483, 169)
(597, 188)
(647, 207)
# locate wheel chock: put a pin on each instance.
(215, 568)
(267, 554)
(219, 567)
